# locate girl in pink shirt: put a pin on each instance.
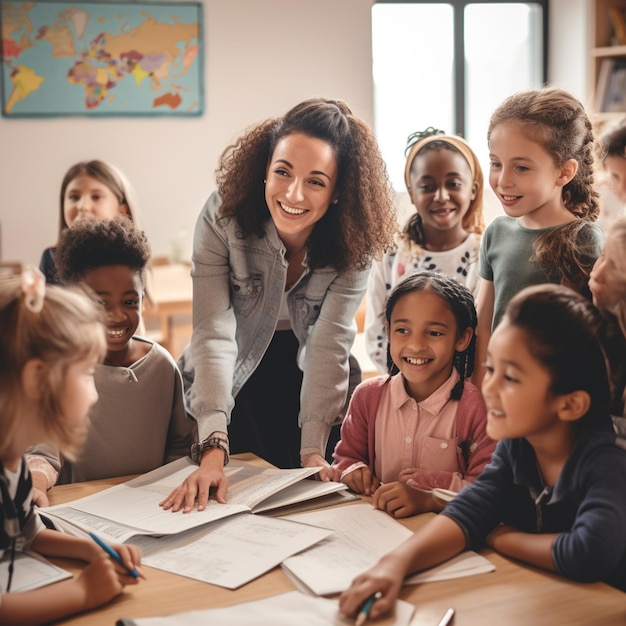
(423, 426)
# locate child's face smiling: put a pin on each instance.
(423, 337)
(525, 177)
(120, 289)
(442, 191)
(516, 388)
(87, 197)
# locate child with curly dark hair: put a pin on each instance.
(139, 422)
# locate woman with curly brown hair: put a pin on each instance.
(280, 263)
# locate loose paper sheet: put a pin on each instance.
(30, 571)
(362, 535)
(232, 552)
(285, 609)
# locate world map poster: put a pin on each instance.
(61, 59)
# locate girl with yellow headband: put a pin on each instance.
(445, 183)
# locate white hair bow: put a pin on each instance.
(33, 288)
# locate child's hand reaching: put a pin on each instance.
(361, 480)
(386, 577)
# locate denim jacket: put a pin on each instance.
(238, 285)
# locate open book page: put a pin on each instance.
(75, 522)
(135, 504)
(285, 609)
(231, 552)
(304, 491)
(30, 571)
(254, 486)
(362, 535)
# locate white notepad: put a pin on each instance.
(30, 571)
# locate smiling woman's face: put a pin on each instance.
(301, 178)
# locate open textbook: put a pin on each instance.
(285, 609)
(132, 508)
(362, 535)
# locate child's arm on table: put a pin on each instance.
(44, 464)
(98, 583)
(532, 548)
(435, 542)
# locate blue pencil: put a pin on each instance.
(365, 609)
(114, 555)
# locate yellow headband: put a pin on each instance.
(455, 141)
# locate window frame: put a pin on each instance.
(458, 14)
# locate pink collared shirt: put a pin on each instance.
(412, 434)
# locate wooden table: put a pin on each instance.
(171, 290)
(513, 595)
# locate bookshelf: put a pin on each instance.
(607, 66)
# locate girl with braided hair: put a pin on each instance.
(541, 148)
(423, 426)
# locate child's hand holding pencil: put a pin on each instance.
(127, 556)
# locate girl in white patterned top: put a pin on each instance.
(445, 183)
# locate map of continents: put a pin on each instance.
(102, 59)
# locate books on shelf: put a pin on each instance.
(616, 15)
(614, 100)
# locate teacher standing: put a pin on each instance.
(281, 257)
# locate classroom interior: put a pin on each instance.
(260, 58)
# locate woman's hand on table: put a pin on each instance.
(208, 477)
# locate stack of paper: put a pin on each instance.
(362, 535)
(224, 544)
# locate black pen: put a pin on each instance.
(364, 613)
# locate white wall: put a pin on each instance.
(261, 57)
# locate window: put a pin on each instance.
(448, 64)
